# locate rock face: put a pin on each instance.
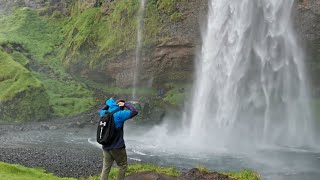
(195, 174)
(173, 61)
(169, 58)
(307, 24)
(307, 19)
(168, 62)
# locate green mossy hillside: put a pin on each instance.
(33, 41)
(66, 97)
(34, 32)
(22, 96)
(96, 35)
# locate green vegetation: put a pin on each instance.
(50, 45)
(26, 27)
(176, 94)
(14, 77)
(28, 37)
(19, 88)
(113, 90)
(245, 174)
(20, 58)
(135, 168)
(168, 6)
(176, 16)
(202, 169)
(94, 38)
(17, 172)
(67, 98)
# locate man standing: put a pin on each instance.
(116, 151)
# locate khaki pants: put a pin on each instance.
(118, 155)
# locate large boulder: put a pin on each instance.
(22, 96)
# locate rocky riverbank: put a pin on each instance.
(46, 145)
(19, 146)
(76, 161)
(65, 160)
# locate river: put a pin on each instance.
(276, 163)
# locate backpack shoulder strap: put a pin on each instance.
(115, 111)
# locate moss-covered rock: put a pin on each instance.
(22, 96)
(33, 41)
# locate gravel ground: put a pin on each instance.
(62, 161)
(60, 158)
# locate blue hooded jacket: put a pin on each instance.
(119, 118)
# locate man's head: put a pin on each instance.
(120, 102)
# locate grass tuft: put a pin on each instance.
(136, 168)
(18, 172)
(246, 174)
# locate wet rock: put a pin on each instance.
(53, 127)
(76, 125)
(196, 174)
(44, 127)
(149, 176)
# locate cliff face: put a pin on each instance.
(171, 37)
(96, 40)
(307, 23)
(307, 19)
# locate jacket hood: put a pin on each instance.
(112, 105)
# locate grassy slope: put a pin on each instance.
(14, 77)
(17, 82)
(17, 172)
(27, 28)
(40, 37)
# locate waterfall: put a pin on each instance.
(138, 46)
(250, 81)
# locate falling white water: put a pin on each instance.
(138, 46)
(251, 87)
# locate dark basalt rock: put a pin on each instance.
(196, 174)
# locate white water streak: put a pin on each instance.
(138, 47)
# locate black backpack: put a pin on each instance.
(106, 128)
